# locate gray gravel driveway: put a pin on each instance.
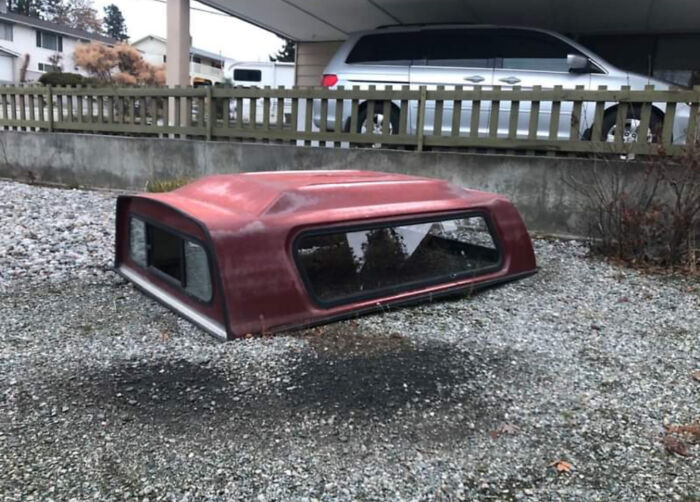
(106, 395)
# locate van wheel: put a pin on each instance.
(375, 122)
(631, 127)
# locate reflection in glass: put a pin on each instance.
(137, 241)
(198, 278)
(345, 264)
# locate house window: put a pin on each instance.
(50, 41)
(48, 67)
(339, 266)
(6, 31)
(180, 260)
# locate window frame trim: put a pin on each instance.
(179, 285)
(379, 294)
(11, 26)
(40, 39)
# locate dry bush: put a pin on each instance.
(648, 219)
(97, 59)
(122, 64)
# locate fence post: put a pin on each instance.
(210, 113)
(49, 104)
(421, 117)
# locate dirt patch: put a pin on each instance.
(349, 340)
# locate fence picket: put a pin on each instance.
(456, 112)
(576, 109)
(514, 116)
(338, 122)
(493, 119)
(669, 118)
(354, 112)
(598, 118)
(386, 118)
(437, 122)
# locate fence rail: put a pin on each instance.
(574, 121)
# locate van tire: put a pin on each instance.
(362, 118)
(633, 114)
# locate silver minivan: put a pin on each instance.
(476, 55)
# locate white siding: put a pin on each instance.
(24, 43)
(153, 50)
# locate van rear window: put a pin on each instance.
(340, 266)
(181, 260)
(386, 48)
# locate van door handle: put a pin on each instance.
(475, 79)
(509, 80)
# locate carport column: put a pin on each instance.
(177, 63)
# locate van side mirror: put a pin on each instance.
(577, 63)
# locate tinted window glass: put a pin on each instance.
(183, 260)
(166, 252)
(462, 48)
(343, 265)
(386, 48)
(247, 75)
(525, 50)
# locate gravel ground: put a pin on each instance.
(106, 395)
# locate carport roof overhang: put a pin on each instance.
(327, 20)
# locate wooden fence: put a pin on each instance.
(513, 119)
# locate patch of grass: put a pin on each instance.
(166, 185)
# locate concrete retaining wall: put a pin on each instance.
(539, 186)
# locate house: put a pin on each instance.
(206, 68)
(30, 47)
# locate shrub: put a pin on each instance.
(122, 64)
(654, 220)
(63, 79)
(166, 185)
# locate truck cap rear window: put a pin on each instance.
(343, 265)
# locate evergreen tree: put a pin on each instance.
(114, 23)
(286, 54)
(52, 8)
(33, 8)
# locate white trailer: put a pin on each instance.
(261, 74)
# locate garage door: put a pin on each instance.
(6, 69)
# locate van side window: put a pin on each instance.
(245, 75)
(458, 48)
(386, 48)
(527, 50)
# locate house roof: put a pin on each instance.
(8, 52)
(193, 50)
(56, 28)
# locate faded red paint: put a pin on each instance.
(249, 221)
